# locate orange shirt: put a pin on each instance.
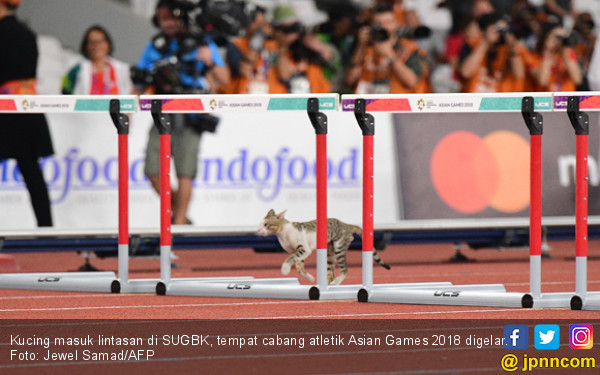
(377, 72)
(496, 75)
(265, 72)
(314, 75)
(559, 76)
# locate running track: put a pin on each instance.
(414, 263)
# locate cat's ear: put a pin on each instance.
(271, 212)
(281, 215)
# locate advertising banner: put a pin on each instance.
(252, 163)
(477, 165)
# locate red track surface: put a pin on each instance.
(414, 263)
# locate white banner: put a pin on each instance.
(254, 162)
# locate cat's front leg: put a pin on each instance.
(299, 255)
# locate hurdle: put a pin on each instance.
(65, 281)
(160, 106)
(573, 103)
(492, 295)
(124, 284)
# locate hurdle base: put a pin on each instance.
(591, 301)
(279, 288)
(349, 292)
(493, 295)
(142, 286)
(100, 282)
(552, 300)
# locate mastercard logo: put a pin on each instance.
(471, 173)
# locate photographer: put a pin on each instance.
(385, 60)
(299, 58)
(176, 62)
(554, 66)
(494, 62)
(255, 47)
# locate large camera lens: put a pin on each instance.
(379, 34)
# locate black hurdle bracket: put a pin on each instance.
(120, 120)
(317, 119)
(579, 120)
(161, 121)
(365, 120)
(533, 120)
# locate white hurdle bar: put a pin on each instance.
(575, 103)
(460, 295)
(159, 105)
(65, 281)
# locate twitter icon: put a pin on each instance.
(547, 336)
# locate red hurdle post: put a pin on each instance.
(580, 122)
(534, 122)
(163, 125)
(121, 122)
(367, 126)
(319, 123)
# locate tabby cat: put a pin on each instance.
(300, 239)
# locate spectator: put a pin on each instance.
(495, 62)
(99, 73)
(256, 47)
(554, 66)
(583, 39)
(179, 63)
(384, 61)
(339, 33)
(300, 57)
(24, 137)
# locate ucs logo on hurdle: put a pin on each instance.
(239, 286)
(49, 279)
(446, 293)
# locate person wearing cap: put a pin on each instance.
(256, 48)
(180, 63)
(299, 58)
(23, 137)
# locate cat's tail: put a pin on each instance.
(358, 230)
(378, 260)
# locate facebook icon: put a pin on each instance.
(516, 336)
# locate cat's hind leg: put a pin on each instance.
(330, 264)
(341, 250)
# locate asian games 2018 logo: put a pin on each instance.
(213, 104)
(421, 104)
(25, 104)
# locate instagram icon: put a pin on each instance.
(581, 336)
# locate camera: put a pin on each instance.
(379, 34)
(216, 17)
(567, 40)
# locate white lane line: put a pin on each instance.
(157, 306)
